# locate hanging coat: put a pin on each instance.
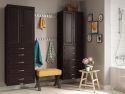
(37, 55)
(51, 55)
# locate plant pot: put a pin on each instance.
(88, 67)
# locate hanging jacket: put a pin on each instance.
(37, 56)
(51, 55)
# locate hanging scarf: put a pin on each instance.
(37, 55)
(51, 55)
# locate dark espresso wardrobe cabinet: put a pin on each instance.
(19, 44)
(70, 41)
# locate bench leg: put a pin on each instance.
(57, 81)
(38, 83)
(39, 87)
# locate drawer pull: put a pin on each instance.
(73, 53)
(21, 48)
(21, 62)
(21, 79)
(73, 74)
(73, 59)
(20, 70)
(20, 54)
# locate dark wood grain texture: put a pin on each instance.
(70, 43)
(19, 44)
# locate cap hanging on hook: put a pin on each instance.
(42, 23)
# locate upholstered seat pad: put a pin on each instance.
(48, 72)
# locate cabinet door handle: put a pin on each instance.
(20, 54)
(21, 62)
(20, 70)
(21, 79)
(21, 48)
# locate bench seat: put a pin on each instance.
(48, 72)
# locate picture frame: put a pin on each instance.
(90, 17)
(99, 38)
(94, 27)
(100, 17)
(89, 37)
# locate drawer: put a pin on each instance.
(20, 69)
(14, 79)
(21, 49)
(20, 55)
(19, 61)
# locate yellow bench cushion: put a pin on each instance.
(48, 72)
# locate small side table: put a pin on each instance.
(84, 77)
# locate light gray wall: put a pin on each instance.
(101, 52)
(94, 49)
(41, 6)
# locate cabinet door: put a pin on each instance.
(27, 25)
(68, 28)
(79, 32)
(12, 25)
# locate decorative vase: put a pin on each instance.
(88, 67)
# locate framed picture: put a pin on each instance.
(99, 38)
(89, 37)
(94, 27)
(100, 17)
(90, 17)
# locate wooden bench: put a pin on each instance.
(48, 72)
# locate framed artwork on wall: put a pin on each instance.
(94, 27)
(89, 37)
(100, 17)
(99, 38)
(90, 17)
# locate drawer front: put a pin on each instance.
(20, 55)
(19, 48)
(14, 79)
(19, 60)
(71, 72)
(68, 71)
(20, 69)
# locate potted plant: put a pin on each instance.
(89, 62)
